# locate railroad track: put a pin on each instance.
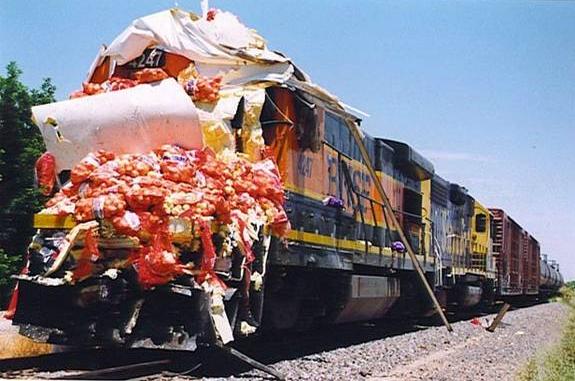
(266, 348)
(207, 362)
(99, 364)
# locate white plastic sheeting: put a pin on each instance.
(222, 41)
(135, 120)
(142, 118)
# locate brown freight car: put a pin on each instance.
(531, 265)
(516, 255)
(507, 245)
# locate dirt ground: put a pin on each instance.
(14, 345)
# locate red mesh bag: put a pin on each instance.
(117, 83)
(82, 171)
(149, 75)
(176, 165)
(11, 311)
(151, 223)
(246, 242)
(46, 173)
(158, 264)
(84, 210)
(127, 223)
(141, 198)
(209, 251)
(206, 89)
(85, 263)
(280, 225)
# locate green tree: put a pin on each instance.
(20, 145)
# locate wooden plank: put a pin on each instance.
(123, 372)
(379, 187)
(499, 317)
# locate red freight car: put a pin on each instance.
(531, 267)
(508, 252)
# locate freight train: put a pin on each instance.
(344, 258)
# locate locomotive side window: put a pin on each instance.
(332, 130)
(344, 137)
(307, 124)
(287, 112)
(412, 202)
(337, 134)
(481, 223)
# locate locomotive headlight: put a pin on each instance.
(178, 226)
(180, 229)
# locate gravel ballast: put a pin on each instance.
(429, 353)
(468, 353)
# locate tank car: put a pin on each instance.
(550, 279)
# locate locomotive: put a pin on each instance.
(343, 259)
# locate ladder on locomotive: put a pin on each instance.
(438, 261)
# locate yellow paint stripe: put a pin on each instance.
(335, 243)
(304, 192)
(50, 221)
(466, 270)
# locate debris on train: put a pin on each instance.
(45, 173)
(333, 202)
(190, 151)
(134, 197)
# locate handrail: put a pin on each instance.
(354, 129)
(439, 258)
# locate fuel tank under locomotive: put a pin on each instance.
(297, 298)
(468, 296)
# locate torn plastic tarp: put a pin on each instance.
(219, 46)
(222, 41)
(135, 120)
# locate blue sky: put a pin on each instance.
(485, 89)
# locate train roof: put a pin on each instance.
(506, 215)
(410, 160)
(440, 180)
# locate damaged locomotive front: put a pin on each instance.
(151, 266)
(170, 199)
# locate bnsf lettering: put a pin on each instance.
(304, 165)
(360, 179)
(332, 169)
